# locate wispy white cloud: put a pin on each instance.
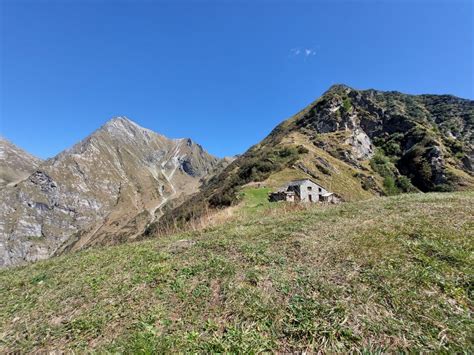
(303, 52)
(295, 51)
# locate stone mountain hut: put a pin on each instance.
(305, 190)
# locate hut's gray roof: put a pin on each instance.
(299, 182)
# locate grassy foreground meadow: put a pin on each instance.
(386, 274)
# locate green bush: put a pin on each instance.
(392, 183)
(346, 104)
(425, 170)
(287, 152)
(404, 184)
(456, 147)
(390, 186)
(222, 199)
(302, 150)
(392, 148)
(256, 169)
(381, 164)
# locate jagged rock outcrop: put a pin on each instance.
(428, 137)
(15, 163)
(106, 189)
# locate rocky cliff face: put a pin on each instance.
(357, 144)
(104, 190)
(429, 138)
(15, 163)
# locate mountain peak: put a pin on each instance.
(123, 126)
(120, 121)
(339, 88)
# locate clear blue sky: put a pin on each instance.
(223, 73)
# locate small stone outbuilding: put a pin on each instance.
(288, 196)
(305, 190)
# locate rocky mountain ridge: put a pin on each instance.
(104, 190)
(356, 143)
(15, 163)
(425, 136)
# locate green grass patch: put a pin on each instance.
(255, 199)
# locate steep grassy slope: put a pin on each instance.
(357, 144)
(391, 273)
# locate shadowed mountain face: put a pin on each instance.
(357, 144)
(104, 190)
(15, 163)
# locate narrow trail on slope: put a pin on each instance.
(168, 178)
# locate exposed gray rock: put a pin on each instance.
(104, 190)
(437, 163)
(361, 145)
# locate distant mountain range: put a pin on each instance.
(104, 190)
(125, 182)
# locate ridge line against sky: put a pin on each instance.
(223, 74)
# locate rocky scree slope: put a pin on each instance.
(104, 190)
(15, 163)
(357, 143)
